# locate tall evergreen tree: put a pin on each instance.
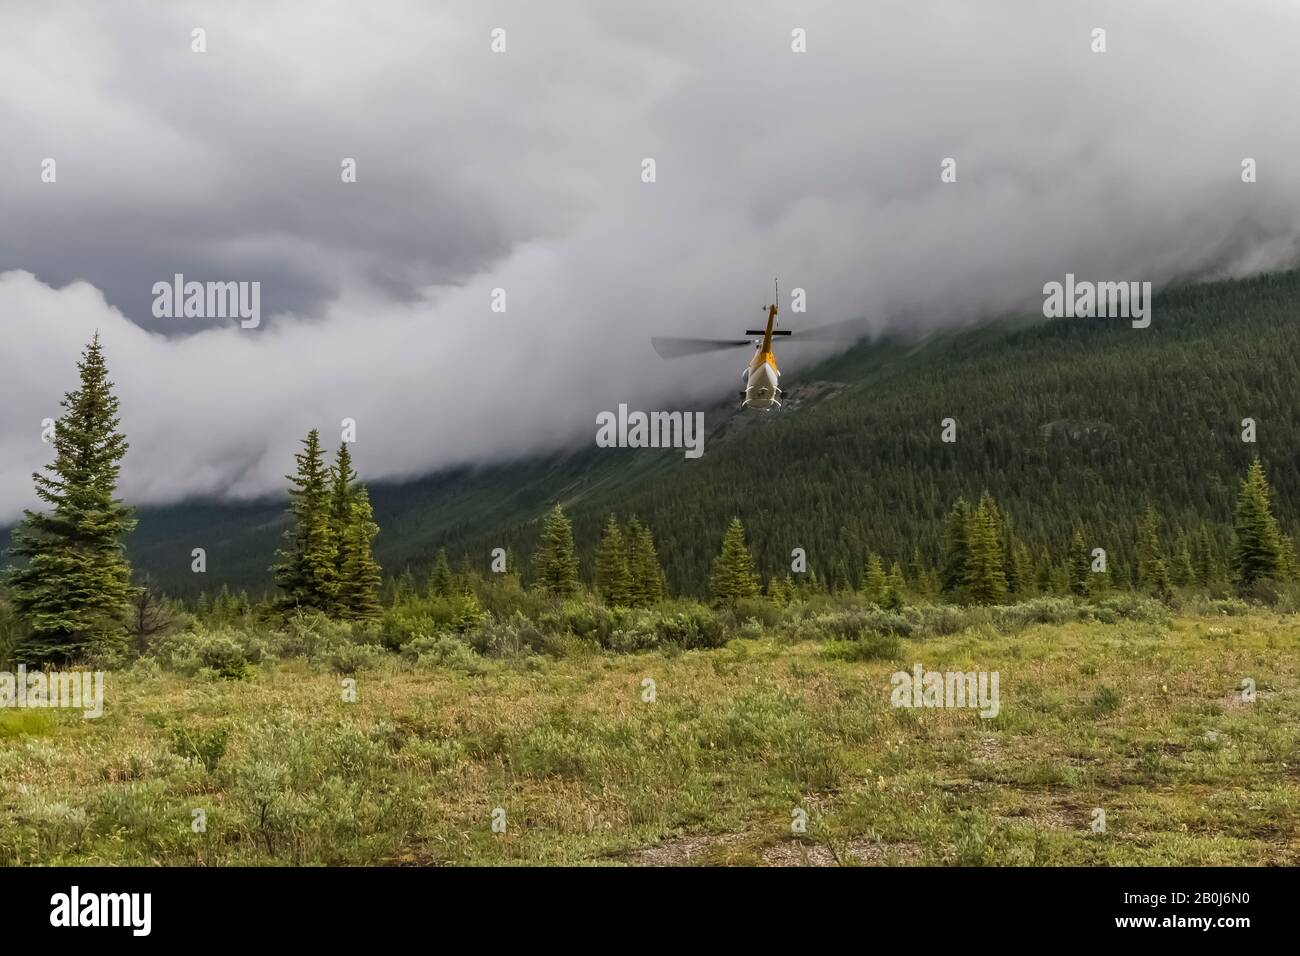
(1153, 572)
(1080, 566)
(1043, 574)
(776, 592)
(308, 572)
(840, 583)
(986, 581)
(918, 569)
(1023, 564)
(1288, 569)
(342, 480)
(73, 585)
(360, 577)
(956, 531)
(1204, 560)
(223, 607)
(406, 589)
(894, 587)
(613, 581)
(440, 578)
(1257, 541)
(733, 575)
(645, 562)
(556, 559)
(644, 570)
(875, 585)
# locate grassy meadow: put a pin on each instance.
(1136, 711)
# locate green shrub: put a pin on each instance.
(1010, 618)
(1229, 607)
(1128, 606)
(399, 626)
(868, 646)
(350, 658)
(316, 789)
(583, 619)
(635, 631)
(851, 624)
(939, 620)
(687, 625)
(311, 635)
(509, 638)
(768, 614)
(448, 652)
(466, 612)
(224, 652)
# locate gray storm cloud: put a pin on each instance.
(522, 171)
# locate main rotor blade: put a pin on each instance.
(670, 347)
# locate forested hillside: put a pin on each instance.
(1069, 424)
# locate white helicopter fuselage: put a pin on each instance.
(761, 377)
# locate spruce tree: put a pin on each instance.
(733, 575)
(223, 608)
(556, 559)
(647, 565)
(1080, 566)
(918, 569)
(895, 585)
(440, 578)
(1257, 541)
(360, 577)
(467, 577)
(646, 574)
(1024, 569)
(1043, 576)
(308, 572)
(840, 583)
(342, 481)
(956, 530)
(986, 581)
(1288, 569)
(1153, 572)
(875, 586)
(613, 581)
(406, 585)
(775, 591)
(73, 588)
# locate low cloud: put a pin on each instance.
(521, 171)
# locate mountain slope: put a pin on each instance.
(1065, 422)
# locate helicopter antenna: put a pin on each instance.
(776, 292)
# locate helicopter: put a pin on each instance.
(761, 375)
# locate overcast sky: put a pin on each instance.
(522, 171)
